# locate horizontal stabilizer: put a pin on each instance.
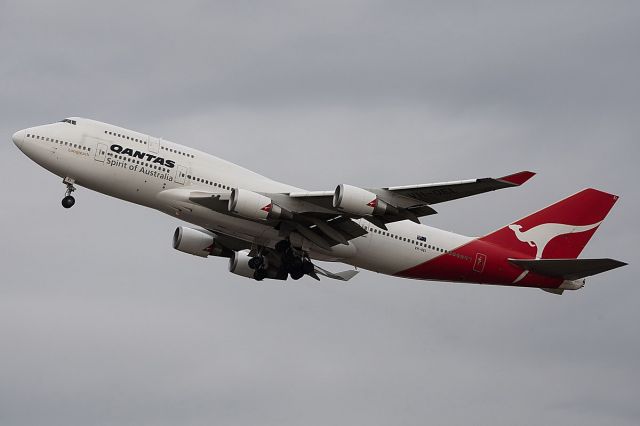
(568, 269)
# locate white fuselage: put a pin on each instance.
(162, 174)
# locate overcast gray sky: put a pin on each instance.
(103, 323)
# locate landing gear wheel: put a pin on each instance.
(294, 264)
(260, 274)
(283, 246)
(282, 274)
(256, 262)
(307, 267)
(296, 274)
(68, 202)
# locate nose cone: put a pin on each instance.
(18, 138)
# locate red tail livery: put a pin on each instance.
(561, 230)
(539, 250)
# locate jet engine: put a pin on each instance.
(360, 202)
(198, 243)
(239, 264)
(255, 206)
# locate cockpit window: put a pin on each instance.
(66, 120)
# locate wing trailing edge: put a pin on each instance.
(340, 276)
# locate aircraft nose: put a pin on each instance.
(18, 138)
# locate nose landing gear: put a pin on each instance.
(68, 201)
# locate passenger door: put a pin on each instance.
(154, 144)
(101, 152)
(181, 174)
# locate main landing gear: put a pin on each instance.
(68, 201)
(258, 264)
(296, 265)
(292, 264)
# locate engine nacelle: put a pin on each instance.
(198, 243)
(239, 264)
(358, 201)
(255, 206)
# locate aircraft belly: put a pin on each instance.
(116, 182)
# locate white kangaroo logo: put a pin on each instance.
(539, 236)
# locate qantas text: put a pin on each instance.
(142, 155)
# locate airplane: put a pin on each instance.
(271, 230)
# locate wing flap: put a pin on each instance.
(340, 276)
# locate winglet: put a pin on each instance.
(517, 179)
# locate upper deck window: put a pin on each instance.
(66, 120)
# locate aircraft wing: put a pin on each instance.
(313, 215)
(434, 193)
(324, 227)
(413, 201)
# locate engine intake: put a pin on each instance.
(255, 206)
(239, 264)
(360, 202)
